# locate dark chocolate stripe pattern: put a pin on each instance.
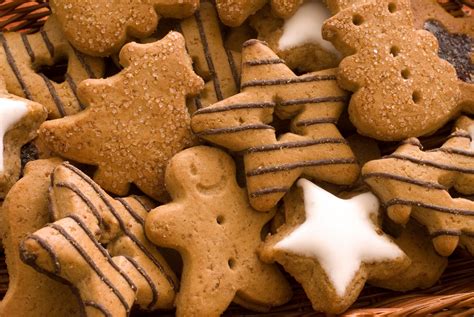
(28, 48)
(85, 65)
(454, 151)
(295, 144)
(73, 86)
(260, 62)
(262, 105)
(310, 122)
(431, 163)
(317, 100)
(151, 284)
(414, 203)
(403, 179)
(11, 61)
(99, 307)
(287, 81)
(52, 255)
(132, 212)
(235, 129)
(269, 191)
(48, 43)
(52, 91)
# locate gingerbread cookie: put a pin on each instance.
(19, 121)
(204, 222)
(135, 121)
(31, 293)
(298, 40)
(235, 12)
(414, 183)
(456, 40)
(130, 270)
(402, 88)
(332, 246)
(24, 58)
(109, 25)
(426, 265)
(314, 146)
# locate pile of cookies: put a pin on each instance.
(188, 152)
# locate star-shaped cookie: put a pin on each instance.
(313, 147)
(101, 27)
(135, 121)
(211, 224)
(332, 246)
(19, 121)
(235, 12)
(415, 183)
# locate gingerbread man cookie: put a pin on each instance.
(135, 121)
(402, 88)
(31, 293)
(332, 246)
(205, 223)
(23, 57)
(19, 121)
(314, 146)
(109, 25)
(130, 270)
(414, 183)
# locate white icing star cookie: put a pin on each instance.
(332, 246)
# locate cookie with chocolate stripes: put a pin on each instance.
(19, 122)
(241, 123)
(130, 270)
(413, 183)
(23, 57)
(31, 293)
(211, 224)
(402, 88)
(135, 121)
(109, 25)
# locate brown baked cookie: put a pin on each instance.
(235, 12)
(110, 24)
(456, 40)
(19, 121)
(332, 246)
(402, 88)
(135, 121)
(24, 211)
(314, 147)
(298, 40)
(211, 224)
(130, 270)
(27, 59)
(426, 265)
(414, 183)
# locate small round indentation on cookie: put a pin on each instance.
(231, 263)
(392, 7)
(405, 73)
(394, 50)
(220, 219)
(416, 96)
(357, 19)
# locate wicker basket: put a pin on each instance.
(453, 295)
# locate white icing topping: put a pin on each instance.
(471, 131)
(339, 234)
(305, 27)
(11, 111)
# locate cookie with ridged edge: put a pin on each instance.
(135, 121)
(24, 57)
(29, 292)
(109, 25)
(456, 39)
(211, 224)
(128, 271)
(235, 12)
(314, 147)
(19, 122)
(415, 183)
(402, 88)
(332, 246)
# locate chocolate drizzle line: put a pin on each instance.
(421, 204)
(14, 67)
(408, 180)
(312, 100)
(287, 81)
(292, 166)
(101, 308)
(122, 225)
(83, 62)
(235, 107)
(28, 48)
(233, 68)
(454, 151)
(307, 123)
(431, 163)
(452, 233)
(207, 54)
(148, 279)
(132, 212)
(54, 95)
(235, 129)
(89, 260)
(73, 86)
(45, 245)
(268, 191)
(48, 43)
(293, 145)
(139, 200)
(259, 62)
